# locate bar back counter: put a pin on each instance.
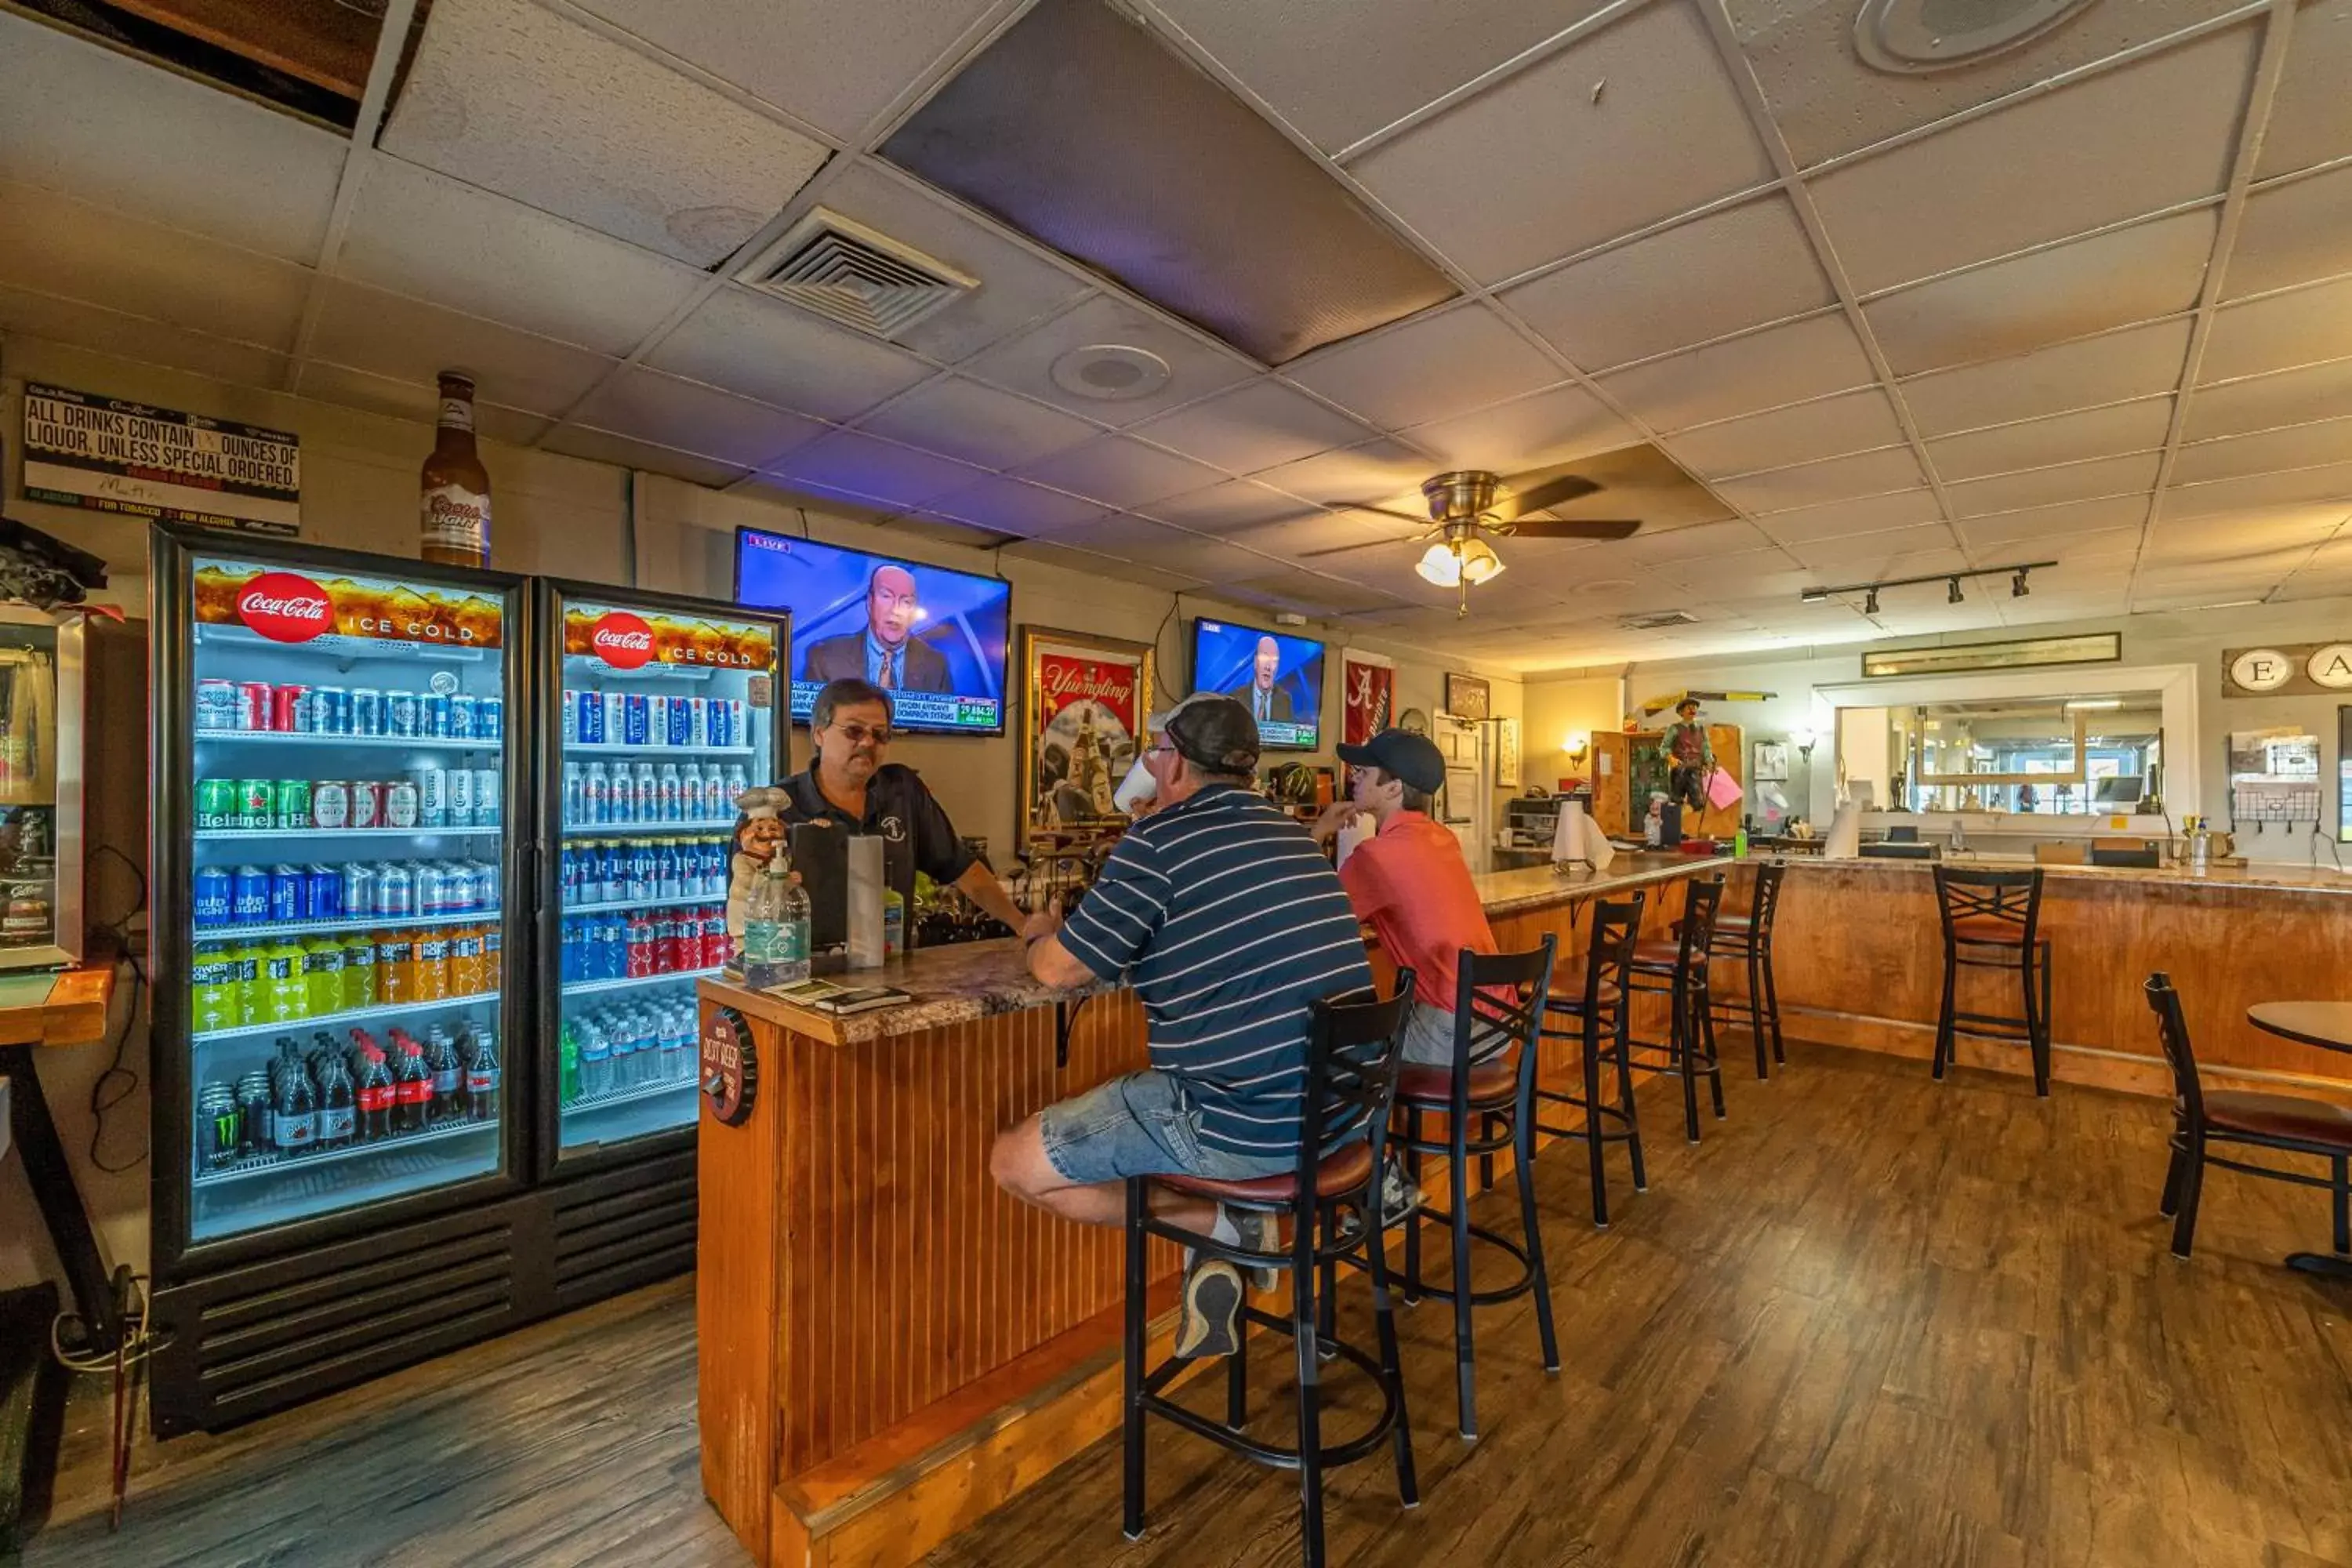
(889, 1346)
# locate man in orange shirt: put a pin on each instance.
(1409, 880)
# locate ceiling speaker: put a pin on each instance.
(1916, 37)
(1112, 373)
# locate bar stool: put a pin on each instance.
(1748, 939)
(1677, 971)
(1597, 1015)
(1353, 1055)
(1488, 1081)
(1992, 920)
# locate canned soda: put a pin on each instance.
(367, 711)
(215, 893)
(331, 803)
(461, 717)
(636, 719)
(257, 804)
(293, 803)
(569, 719)
(400, 803)
(590, 719)
(252, 705)
(681, 722)
(254, 1113)
(617, 717)
(358, 889)
(248, 898)
(215, 803)
(322, 893)
(461, 892)
(658, 720)
(486, 797)
(290, 709)
(216, 705)
(457, 788)
(430, 786)
(432, 890)
(433, 715)
(220, 1133)
(285, 894)
(697, 721)
(395, 891)
(401, 715)
(367, 802)
(328, 711)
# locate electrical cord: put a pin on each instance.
(118, 1083)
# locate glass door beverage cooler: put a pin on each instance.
(655, 713)
(336, 1016)
(41, 729)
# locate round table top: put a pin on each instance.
(2327, 1025)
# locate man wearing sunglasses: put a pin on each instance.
(851, 780)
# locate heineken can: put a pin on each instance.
(294, 803)
(217, 805)
(257, 804)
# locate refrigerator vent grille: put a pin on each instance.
(624, 1229)
(848, 273)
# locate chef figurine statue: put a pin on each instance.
(759, 837)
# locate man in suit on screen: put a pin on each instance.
(1262, 697)
(886, 653)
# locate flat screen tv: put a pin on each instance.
(935, 638)
(1280, 677)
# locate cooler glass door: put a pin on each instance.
(665, 713)
(343, 739)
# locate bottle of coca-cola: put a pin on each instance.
(448, 1073)
(482, 1074)
(375, 1094)
(413, 1098)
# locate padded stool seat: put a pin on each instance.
(1491, 1083)
(1989, 930)
(1344, 1172)
(2279, 1116)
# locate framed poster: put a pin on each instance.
(1467, 696)
(1771, 761)
(1507, 753)
(1369, 684)
(1081, 726)
(103, 454)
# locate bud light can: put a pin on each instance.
(489, 718)
(248, 898)
(636, 719)
(285, 894)
(461, 717)
(216, 892)
(367, 711)
(257, 804)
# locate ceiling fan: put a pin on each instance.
(1466, 508)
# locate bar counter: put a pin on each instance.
(889, 1346)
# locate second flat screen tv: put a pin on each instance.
(935, 638)
(1280, 677)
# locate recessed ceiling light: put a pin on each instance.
(1605, 585)
(1112, 373)
(1916, 36)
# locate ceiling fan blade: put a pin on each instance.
(1551, 493)
(1577, 528)
(1424, 519)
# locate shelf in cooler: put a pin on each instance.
(275, 1165)
(339, 835)
(683, 754)
(351, 1016)
(301, 738)
(352, 925)
(639, 829)
(598, 987)
(630, 1096)
(658, 901)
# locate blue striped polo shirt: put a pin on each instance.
(1228, 923)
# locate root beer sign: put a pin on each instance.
(627, 640)
(292, 606)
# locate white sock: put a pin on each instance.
(1225, 1229)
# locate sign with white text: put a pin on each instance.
(102, 454)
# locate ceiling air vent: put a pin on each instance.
(847, 273)
(1657, 620)
(1916, 37)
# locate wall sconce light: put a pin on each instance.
(1804, 741)
(1576, 744)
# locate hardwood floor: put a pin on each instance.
(1869, 1321)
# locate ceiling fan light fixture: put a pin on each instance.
(1479, 562)
(1439, 565)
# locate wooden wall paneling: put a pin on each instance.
(736, 1303)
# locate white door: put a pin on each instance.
(1468, 808)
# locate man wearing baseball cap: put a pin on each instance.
(1409, 880)
(1225, 919)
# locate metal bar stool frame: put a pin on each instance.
(1748, 939)
(1597, 1015)
(1689, 1047)
(1992, 920)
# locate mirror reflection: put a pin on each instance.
(2098, 754)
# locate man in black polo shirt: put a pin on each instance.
(848, 781)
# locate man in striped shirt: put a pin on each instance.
(1223, 916)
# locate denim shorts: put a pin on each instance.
(1429, 1036)
(1140, 1125)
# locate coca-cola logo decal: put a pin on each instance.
(622, 640)
(285, 607)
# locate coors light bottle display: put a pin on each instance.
(455, 524)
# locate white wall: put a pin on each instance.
(1558, 706)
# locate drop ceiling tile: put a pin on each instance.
(2331, 482)
(1722, 273)
(1858, 556)
(2268, 402)
(2295, 232)
(418, 402)
(1802, 433)
(1385, 471)
(2047, 487)
(605, 446)
(1143, 542)
(1532, 432)
(1008, 506)
(766, 349)
(2029, 301)
(2112, 514)
(1827, 101)
(1487, 183)
(880, 470)
(2308, 124)
(368, 330)
(1706, 538)
(2240, 543)
(106, 128)
(1024, 363)
(508, 96)
(27, 314)
(647, 406)
(1882, 472)
(2110, 368)
(2235, 457)
(1996, 544)
(420, 234)
(1845, 519)
(2097, 157)
(1256, 426)
(1225, 508)
(1307, 594)
(1335, 539)
(2139, 427)
(835, 63)
(1120, 472)
(1435, 367)
(1100, 563)
(2279, 331)
(978, 424)
(1782, 364)
(55, 246)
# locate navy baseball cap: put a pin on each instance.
(1401, 754)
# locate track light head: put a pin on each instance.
(2017, 589)
(1870, 603)
(1952, 592)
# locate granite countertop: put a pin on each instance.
(956, 984)
(2259, 874)
(1536, 886)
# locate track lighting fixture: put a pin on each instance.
(2016, 573)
